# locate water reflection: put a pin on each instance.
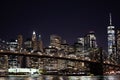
(116, 77)
(3, 78)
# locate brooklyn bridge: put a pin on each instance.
(58, 64)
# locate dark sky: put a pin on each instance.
(68, 19)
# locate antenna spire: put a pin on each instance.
(110, 18)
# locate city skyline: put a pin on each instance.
(70, 19)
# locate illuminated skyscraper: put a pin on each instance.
(28, 48)
(40, 43)
(79, 45)
(118, 46)
(13, 60)
(3, 58)
(93, 42)
(34, 41)
(65, 46)
(118, 41)
(19, 48)
(3, 45)
(55, 41)
(81, 40)
(20, 42)
(90, 41)
(28, 45)
(111, 38)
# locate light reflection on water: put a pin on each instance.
(117, 77)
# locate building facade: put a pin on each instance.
(90, 41)
(55, 41)
(111, 38)
(118, 46)
(40, 44)
(20, 42)
(34, 41)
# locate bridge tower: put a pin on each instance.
(97, 68)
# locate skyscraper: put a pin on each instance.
(28, 45)
(34, 41)
(40, 43)
(55, 41)
(79, 45)
(19, 48)
(118, 41)
(118, 46)
(93, 42)
(13, 60)
(90, 41)
(111, 38)
(19, 41)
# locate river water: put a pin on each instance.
(49, 77)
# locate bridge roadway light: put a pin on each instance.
(1, 50)
(39, 53)
(76, 57)
(104, 61)
(60, 55)
(29, 53)
(51, 54)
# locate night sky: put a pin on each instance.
(68, 19)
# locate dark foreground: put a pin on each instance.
(49, 77)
